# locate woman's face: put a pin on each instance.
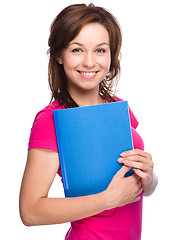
(87, 58)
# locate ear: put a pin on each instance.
(59, 60)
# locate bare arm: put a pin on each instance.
(37, 209)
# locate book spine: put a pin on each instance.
(60, 151)
(131, 171)
(130, 125)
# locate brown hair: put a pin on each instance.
(65, 27)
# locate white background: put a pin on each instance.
(147, 82)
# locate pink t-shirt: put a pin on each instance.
(123, 223)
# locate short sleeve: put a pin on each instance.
(43, 131)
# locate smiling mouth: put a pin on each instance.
(88, 74)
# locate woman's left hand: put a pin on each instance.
(141, 162)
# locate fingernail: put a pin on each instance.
(122, 154)
(120, 159)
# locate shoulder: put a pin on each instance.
(48, 110)
(134, 121)
(45, 116)
(43, 130)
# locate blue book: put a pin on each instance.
(90, 140)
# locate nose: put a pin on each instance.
(89, 60)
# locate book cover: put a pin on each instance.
(90, 140)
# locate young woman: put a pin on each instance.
(85, 43)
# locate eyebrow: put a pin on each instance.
(80, 44)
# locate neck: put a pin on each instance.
(87, 99)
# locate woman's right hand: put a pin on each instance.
(123, 190)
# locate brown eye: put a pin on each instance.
(100, 50)
(77, 50)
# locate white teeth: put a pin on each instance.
(88, 73)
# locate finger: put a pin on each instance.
(137, 199)
(140, 190)
(140, 173)
(135, 177)
(135, 152)
(139, 182)
(136, 158)
(124, 169)
(137, 165)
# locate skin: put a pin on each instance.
(89, 55)
(86, 62)
(143, 166)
